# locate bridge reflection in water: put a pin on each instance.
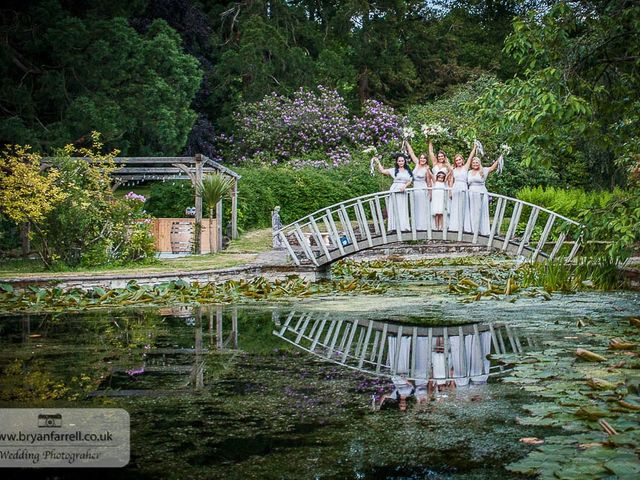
(459, 353)
(514, 226)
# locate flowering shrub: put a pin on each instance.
(310, 129)
(75, 218)
(135, 197)
(378, 125)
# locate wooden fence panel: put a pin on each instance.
(174, 235)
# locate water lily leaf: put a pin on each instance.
(600, 384)
(591, 413)
(6, 287)
(625, 466)
(631, 438)
(582, 470)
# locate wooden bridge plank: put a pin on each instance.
(531, 223)
(363, 352)
(478, 345)
(318, 334)
(445, 206)
(364, 226)
(544, 236)
(334, 231)
(349, 227)
(347, 347)
(513, 224)
(302, 240)
(413, 352)
(558, 245)
(429, 351)
(498, 215)
(383, 342)
(412, 213)
(396, 354)
(319, 239)
(383, 227)
(292, 254)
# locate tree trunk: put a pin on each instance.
(24, 240)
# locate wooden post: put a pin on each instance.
(234, 210)
(198, 205)
(219, 225)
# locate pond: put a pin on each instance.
(285, 390)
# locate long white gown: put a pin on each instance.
(478, 201)
(421, 198)
(459, 201)
(402, 212)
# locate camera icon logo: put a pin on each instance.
(50, 421)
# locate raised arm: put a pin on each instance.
(471, 155)
(380, 168)
(412, 155)
(494, 166)
(432, 157)
(447, 164)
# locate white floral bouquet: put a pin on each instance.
(479, 148)
(434, 130)
(372, 162)
(371, 149)
(408, 132)
(505, 149)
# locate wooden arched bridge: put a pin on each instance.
(460, 353)
(516, 227)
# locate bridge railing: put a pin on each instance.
(386, 349)
(511, 225)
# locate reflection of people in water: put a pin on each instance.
(466, 358)
(402, 390)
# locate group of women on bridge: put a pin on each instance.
(443, 193)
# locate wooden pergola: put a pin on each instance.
(136, 169)
(132, 169)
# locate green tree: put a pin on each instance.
(576, 102)
(64, 74)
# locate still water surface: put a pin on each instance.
(217, 392)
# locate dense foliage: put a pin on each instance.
(575, 100)
(147, 73)
(74, 217)
(64, 74)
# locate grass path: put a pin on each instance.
(239, 252)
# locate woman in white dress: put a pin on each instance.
(440, 162)
(422, 180)
(397, 206)
(479, 196)
(459, 201)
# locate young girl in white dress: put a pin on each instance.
(479, 196)
(402, 178)
(422, 179)
(438, 198)
(459, 201)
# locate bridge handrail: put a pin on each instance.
(384, 192)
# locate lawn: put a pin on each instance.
(241, 251)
